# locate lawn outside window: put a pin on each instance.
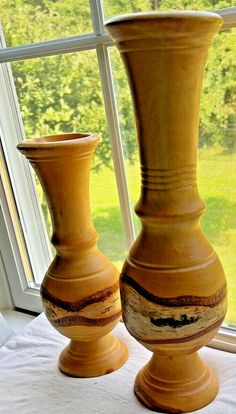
(95, 67)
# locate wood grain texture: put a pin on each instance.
(99, 309)
(173, 288)
(151, 319)
(80, 291)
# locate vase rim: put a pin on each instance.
(165, 15)
(59, 140)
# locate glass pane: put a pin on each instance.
(217, 150)
(71, 100)
(106, 215)
(29, 21)
(114, 7)
(217, 156)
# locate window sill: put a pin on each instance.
(225, 340)
(17, 320)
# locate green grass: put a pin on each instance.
(217, 186)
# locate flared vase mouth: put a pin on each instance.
(51, 147)
(59, 140)
(174, 25)
(171, 15)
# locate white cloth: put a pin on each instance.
(5, 331)
(30, 382)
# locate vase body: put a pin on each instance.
(173, 288)
(80, 291)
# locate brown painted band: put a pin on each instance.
(76, 306)
(187, 300)
(81, 320)
(185, 339)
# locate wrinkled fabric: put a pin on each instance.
(30, 382)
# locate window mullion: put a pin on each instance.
(113, 124)
(53, 47)
(229, 16)
(97, 17)
(116, 143)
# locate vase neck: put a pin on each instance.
(69, 205)
(164, 55)
(64, 175)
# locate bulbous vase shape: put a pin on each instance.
(173, 288)
(80, 291)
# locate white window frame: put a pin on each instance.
(18, 175)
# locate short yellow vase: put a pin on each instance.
(80, 291)
(173, 288)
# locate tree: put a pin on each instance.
(218, 100)
(63, 93)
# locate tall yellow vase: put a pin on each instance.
(173, 287)
(80, 291)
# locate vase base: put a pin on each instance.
(92, 359)
(176, 384)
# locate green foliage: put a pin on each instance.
(218, 103)
(218, 100)
(60, 93)
(113, 7)
(63, 93)
(28, 21)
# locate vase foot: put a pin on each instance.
(92, 359)
(176, 384)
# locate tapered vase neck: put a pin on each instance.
(62, 164)
(164, 55)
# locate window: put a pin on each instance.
(86, 72)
